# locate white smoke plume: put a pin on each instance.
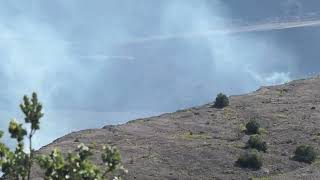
(74, 54)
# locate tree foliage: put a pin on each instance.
(17, 164)
(221, 101)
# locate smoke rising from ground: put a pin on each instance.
(73, 54)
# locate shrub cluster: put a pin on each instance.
(305, 154)
(250, 159)
(256, 142)
(221, 101)
(17, 164)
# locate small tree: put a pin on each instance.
(16, 165)
(305, 154)
(255, 142)
(252, 127)
(221, 101)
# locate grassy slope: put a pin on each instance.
(163, 148)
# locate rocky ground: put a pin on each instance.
(204, 142)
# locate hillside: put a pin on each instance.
(162, 147)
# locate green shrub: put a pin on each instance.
(250, 159)
(221, 101)
(305, 154)
(17, 164)
(256, 142)
(252, 127)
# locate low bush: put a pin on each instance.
(305, 154)
(250, 159)
(256, 142)
(252, 127)
(221, 101)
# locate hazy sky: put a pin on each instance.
(81, 58)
